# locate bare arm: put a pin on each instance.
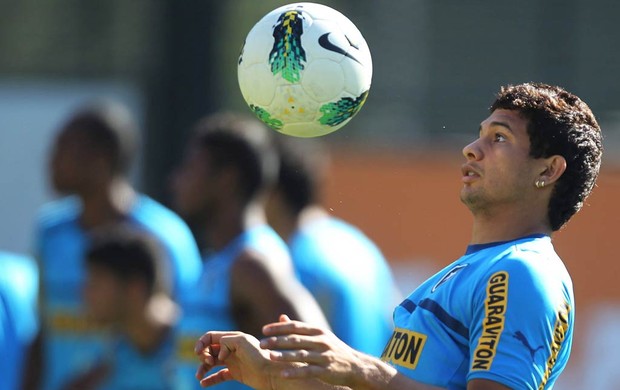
(261, 290)
(247, 363)
(327, 358)
(336, 367)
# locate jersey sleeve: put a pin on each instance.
(521, 324)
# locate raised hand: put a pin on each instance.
(322, 354)
(244, 361)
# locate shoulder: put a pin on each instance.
(18, 264)
(252, 271)
(159, 220)
(149, 211)
(170, 230)
(19, 273)
(333, 242)
(535, 259)
(58, 212)
(530, 274)
(265, 256)
(264, 244)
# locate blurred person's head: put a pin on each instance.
(299, 185)
(124, 274)
(561, 150)
(303, 164)
(94, 145)
(229, 160)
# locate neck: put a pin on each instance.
(107, 203)
(508, 225)
(229, 222)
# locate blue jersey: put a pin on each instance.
(131, 369)
(339, 265)
(503, 312)
(208, 307)
(19, 286)
(72, 345)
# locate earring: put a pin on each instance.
(539, 183)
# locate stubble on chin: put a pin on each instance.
(473, 200)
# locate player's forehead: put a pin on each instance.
(511, 120)
(71, 135)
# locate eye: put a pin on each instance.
(499, 137)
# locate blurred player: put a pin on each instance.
(126, 290)
(501, 316)
(19, 285)
(89, 162)
(248, 277)
(336, 262)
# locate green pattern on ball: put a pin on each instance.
(265, 116)
(287, 55)
(336, 113)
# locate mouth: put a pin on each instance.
(469, 173)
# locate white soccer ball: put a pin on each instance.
(305, 69)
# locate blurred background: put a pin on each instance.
(395, 167)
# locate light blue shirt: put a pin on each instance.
(132, 370)
(72, 344)
(19, 286)
(350, 279)
(504, 312)
(208, 307)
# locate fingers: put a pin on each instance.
(286, 326)
(213, 348)
(295, 342)
(227, 347)
(299, 356)
(210, 338)
(222, 375)
(202, 370)
(209, 358)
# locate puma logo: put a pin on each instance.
(521, 337)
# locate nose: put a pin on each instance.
(472, 151)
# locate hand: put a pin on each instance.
(240, 353)
(321, 354)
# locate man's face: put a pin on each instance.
(104, 295)
(499, 170)
(70, 162)
(193, 185)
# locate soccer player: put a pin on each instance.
(501, 316)
(248, 277)
(19, 286)
(335, 260)
(126, 290)
(89, 163)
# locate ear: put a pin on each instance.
(553, 169)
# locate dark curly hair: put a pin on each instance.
(559, 123)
